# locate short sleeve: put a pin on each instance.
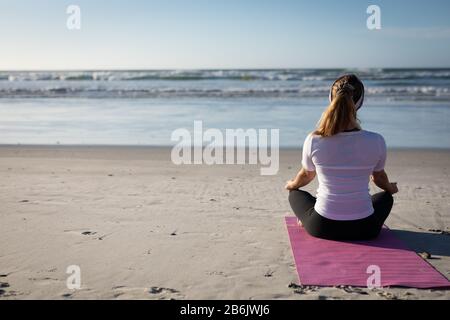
(307, 162)
(382, 155)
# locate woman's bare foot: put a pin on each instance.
(300, 224)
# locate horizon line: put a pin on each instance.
(168, 146)
(222, 69)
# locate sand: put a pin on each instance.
(140, 227)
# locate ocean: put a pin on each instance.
(409, 107)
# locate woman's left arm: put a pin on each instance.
(303, 178)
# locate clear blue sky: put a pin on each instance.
(192, 34)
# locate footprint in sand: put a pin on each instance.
(129, 293)
(45, 281)
(166, 293)
(82, 232)
(269, 273)
(88, 233)
(5, 285)
(216, 273)
(301, 289)
(387, 295)
(158, 290)
(350, 289)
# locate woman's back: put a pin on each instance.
(344, 163)
(343, 160)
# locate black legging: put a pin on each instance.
(302, 204)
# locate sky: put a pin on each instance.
(217, 34)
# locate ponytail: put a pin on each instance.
(340, 113)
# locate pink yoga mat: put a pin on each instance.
(331, 263)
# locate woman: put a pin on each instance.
(344, 157)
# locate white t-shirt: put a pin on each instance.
(344, 163)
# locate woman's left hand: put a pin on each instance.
(291, 185)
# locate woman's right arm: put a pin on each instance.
(379, 176)
(381, 180)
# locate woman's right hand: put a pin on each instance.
(291, 185)
(393, 188)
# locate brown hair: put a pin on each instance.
(345, 93)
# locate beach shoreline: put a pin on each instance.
(141, 227)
